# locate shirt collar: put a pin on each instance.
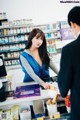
(78, 34)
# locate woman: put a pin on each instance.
(35, 60)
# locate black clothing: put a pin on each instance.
(69, 76)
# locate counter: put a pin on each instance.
(65, 116)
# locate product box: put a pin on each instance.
(25, 113)
(27, 91)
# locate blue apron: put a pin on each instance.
(40, 71)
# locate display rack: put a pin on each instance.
(52, 34)
(12, 41)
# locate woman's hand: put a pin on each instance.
(46, 85)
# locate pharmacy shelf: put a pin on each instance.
(16, 26)
(17, 34)
(13, 67)
(12, 43)
(11, 101)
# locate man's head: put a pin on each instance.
(74, 19)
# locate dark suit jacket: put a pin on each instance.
(69, 76)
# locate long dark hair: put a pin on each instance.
(43, 48)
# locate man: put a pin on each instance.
(69, 74)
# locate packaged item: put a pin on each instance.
(52, 106)
(38, 107)
(8, 115)
(41, 118)
(52, 109)
(15, 112)
(57, 115)
(0, 114)
(53, 91)
(27, 91)
(68, 103)
(25, 113)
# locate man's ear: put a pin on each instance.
(73, 25)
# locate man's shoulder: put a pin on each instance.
(69, 46)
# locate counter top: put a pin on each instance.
(11, 101)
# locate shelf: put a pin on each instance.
(17, 26)
(17, 34)
(44, 95)
(51, 31)
(13, 67)
(8, 51)
(53, 38)
(13, 39)
(14, 58)
(12, 43)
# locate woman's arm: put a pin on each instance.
(53, 67)
(30, 71)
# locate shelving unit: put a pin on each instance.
(52, 34)
(12, 41)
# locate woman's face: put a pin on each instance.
(37, 42)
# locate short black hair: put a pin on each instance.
(74, 15)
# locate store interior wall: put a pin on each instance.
(40, 11)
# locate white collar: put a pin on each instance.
(78, 34)
(28, 51)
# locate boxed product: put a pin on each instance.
(27, 91)
(52, 106)
(25, 113)
(7, 115)
(68, 103)
(15, 112)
